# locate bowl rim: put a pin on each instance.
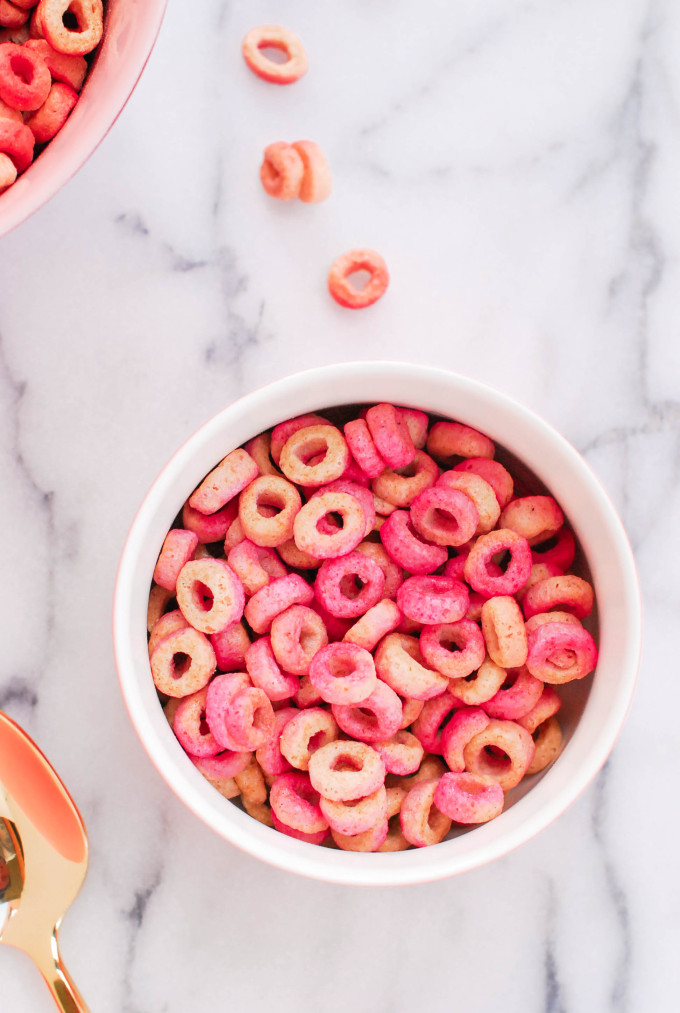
(532, 813)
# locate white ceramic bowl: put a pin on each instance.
(594, 709)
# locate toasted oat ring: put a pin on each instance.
(223, 767)
(274, 37)
(46, 122)
(504, 631)
(468, 639)
(539, 571)
(375, 623)
(569, 592)
(479, 491)
(445, 516)
(273, 599)
(402, 753)
(371, 840)
(69, 70)
(166, 625)
(430, 723)
(249, 718)
(336, 588)
(190, 727)
(254, 565)
(209, 527)
(548, 741)
(24, 78)
(548, 705)
(270, 491)
(469, 798)
(513, 701)
(390, 435)
(259, 449)
(422, 823)
(203, 579)
(269, 756)
(230, 646)
(463, 726)
(343, 673)
(193, 668)
(362, 448)
(350, 263)
(506, 737)
(309, 443)
(400, 665)
(407, 549)
(411, 710)
(561, 652)
(12, 15)
(296, 558)
(75, 42)
(159, 598)
(236, 471)
(281, 171)
(482, 574)
(265, 674)
(178, 548)
(401, 487)
(8, 170)
(307, 731)
(339, 541)
(251, 783)
(432, 600)
(374, 719)
(393, 573)
(537, 518)
(487, 680)
(447, 440)
(316, 180)
(296, 803)
(284, 430)
(355, 816)
(493, 472)
(345, 770)
(297, 634)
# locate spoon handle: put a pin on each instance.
(58, 980)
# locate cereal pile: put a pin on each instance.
(371, 622)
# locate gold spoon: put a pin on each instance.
(43, 859)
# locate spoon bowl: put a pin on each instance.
(43, 859)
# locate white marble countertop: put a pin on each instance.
(517, 164)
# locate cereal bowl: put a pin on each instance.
(593, 710)
(131, 28)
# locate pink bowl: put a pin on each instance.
(130, 33)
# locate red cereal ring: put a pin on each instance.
(275, 598)
(504, 631)
(362, 448)
(447, 440)
(548, 742)
(255, 565)
(281, 171)
(407, 549)
(227, 480)
(296, 803)
(479, 572)
(182, 663)
(400, 665)
(284, 430)
(493, 472)
(210, 595)
(166, 625)
(340, 540)
(539, 571)
(345, 770)
(316, 181)
(376, 718)
(370, 840)
(558, 550)
(230, 646)
(178, 548)
(417, 424)
(395, 840)
(209, 527)
(343, 674)
(376, 623)
(191, 728)
(249, 718)
(519, 693)
(24, 78)
(537, 518)
(12, 15)
(307, 731)
(35, 28)
(569, 592)
(479, 492)
(349, 585)
(512, 751)
(422, 823)
(359, 492)
(431, 767)
(48, 120)
(467, 640)
(463, 726)
(269, 756)
(269, 491)
(455, 566)
(225, 766)
(547, 706)
(561, 652)
(350, 263)
(430, 724)
(444, 516)
(401, 487)
(469, 798)
(401, 754)
(274, 37)
(69, 70)
(297, 634)
(474, 610)
(308, 444)
(265, 674)
(481, 686)
(358, 815)
(393, 573)
(8, 172)
(390, 435)
(74, 41)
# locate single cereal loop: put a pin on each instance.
(269, 756)
(411, 710)
(345, 770)
(75, 42)
(337, 577)
(209, 527)
(400, 665)
(390, 435)
(417, 424)
(422, 823)
(251, 784)
(6, 112)
(281, 433)
(467, 638)
(509, 738)
(445, 516)
(299, 560)
(167, 624)
(343, 674)
(479, 492)
(274, 37)
(220, 581)
(463, 726)
(452, 439)
(221, 692)
(376, 623)
(504, 631)
(561, 553)
(191, 672)
(65, 69)
(480, 573)
(561, 652)
(307, 731)
(228, 479)
(513, 701)
(316, 181)
(249, 718)
(350, 263)
(262, 813)
(223, 767)
(548, 742)
(376, 718)
(362, 448)
(433, 600)
(259, 449)
(48, 120)
(159, 597)
(191, 728)
(474, 611)
(340, 541)
(12, 15)
(281, 171)
(407, 549)
(274, 599)
(296, 803)
(17, 142)
(360, 492)
(355, 817)
(430, 724)
(400, 488)
(178, 548)
(548, 705)
(539, 571)
(537, 518)
(266, 674)
(431, 767)
(569, 592)
(371, 840)
(254, 565)
(469, 798)
(322, 442)
(25, 80)
(269, 491)
(493, 472)
(230, 646)
(487, 680)
(297, 634)
(401, 754)
(394, 577)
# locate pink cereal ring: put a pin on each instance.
(411, 710)
(274, 37)
(191, 728)
(249, 718)
(493, 472)
(308, 444)
(452, 439)
(363, 449)
(182, 663)
(432, 600)
(234, 535)
(339, 541)
(251, 784)
(343, 673)
(357, 815)
(178, 548)
(345, 770)
(547, 706)
(429, 725)
(371, 840)
(561, 652)
(359, 492)
(514, 700)
(539, 571)
(209, 527)
(513, 750)
(407, 549)
(210, 595)
(296, 558)
(444, 516)
(284, 430)
(296, 803)
(400, 665)
(390, 435)
(223, 767)
(307, 731)
(548, 742)
(281, 171)
(66, 69)
(400, 488)
(254, 565)
(570, 593)
(159, 598)
(259, 449)
(73, 40)
(479, 492)
(17, 142)
(482, 573)
(376, 623)
(316, 180)
(46, 122)
(221, 692)
(266, 674)
(537, 518)
(167, 624)
(269, 491)
(349, 585)
(12, 16)
(485, 683)
(24, 78)
(227, 480)
(560, 550)
(298, 835)
(275, 598)
(297, 634)
(401, 754)
(269, 756)
(467, 639)
(469, 798)
(463, 726)
(417, 424)
(230, 646)
(422, 823)
(455, 566)
(376, 718)
(393, 573)
(342, 269)
(504, 631)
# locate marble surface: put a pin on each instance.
(516, 162)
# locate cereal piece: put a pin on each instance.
(17, 142)
(24, 78)
(349, 585)
(559, 550)
(254, 565)
(191, 728)
(76, 41)
(400, 665)
(269, 756)
(274, 37)
(209, 527)
(210, 595)
(401, 754)
(370, 840)
(407, 549)
(375, 719)
(167, 624)
(481, 686)
(516, 697)
(282, 433)
(316, 181)
(376, 623)
(259, 449)
(251, 784)
(548, 742)
(296, 803)
(65, 69)
(483, 579)
(221, 770)
(12, 15)
(6, 112)
(322, 444)
(263, 814)
(342, 771)
(297, 634)
(479, 492)
(230, 646)
(343, 674)
(159, 598)
(335, 627)
(513, 752)
(299, 560)
(493, 472)
(431, 767)
(269, 491)
(298, 835)
(411, 710)
(429, 726)
(275, 598)
(341, 540)
(393, 573)
(341, 288)
(361, 493)
(504, 631)
(221, 692)
(571, 593)
(445, 516)
(266, 674)
(547, 706)
(463, 726)
(362, 448)
(537, 518)
(178, 548)
(306, 732)
(433, 600)
(182, 663)
(422, 823)
(48, 120)
(228, 479)
(249, 718)
(400, 488)
(355, 816)
(469, 798)
(281, 171)
(417, 424)
(539, 571)
(8, 172)
(390, 435)
(306, 695)
(466, 637)
(447, 440)
(561, 652)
